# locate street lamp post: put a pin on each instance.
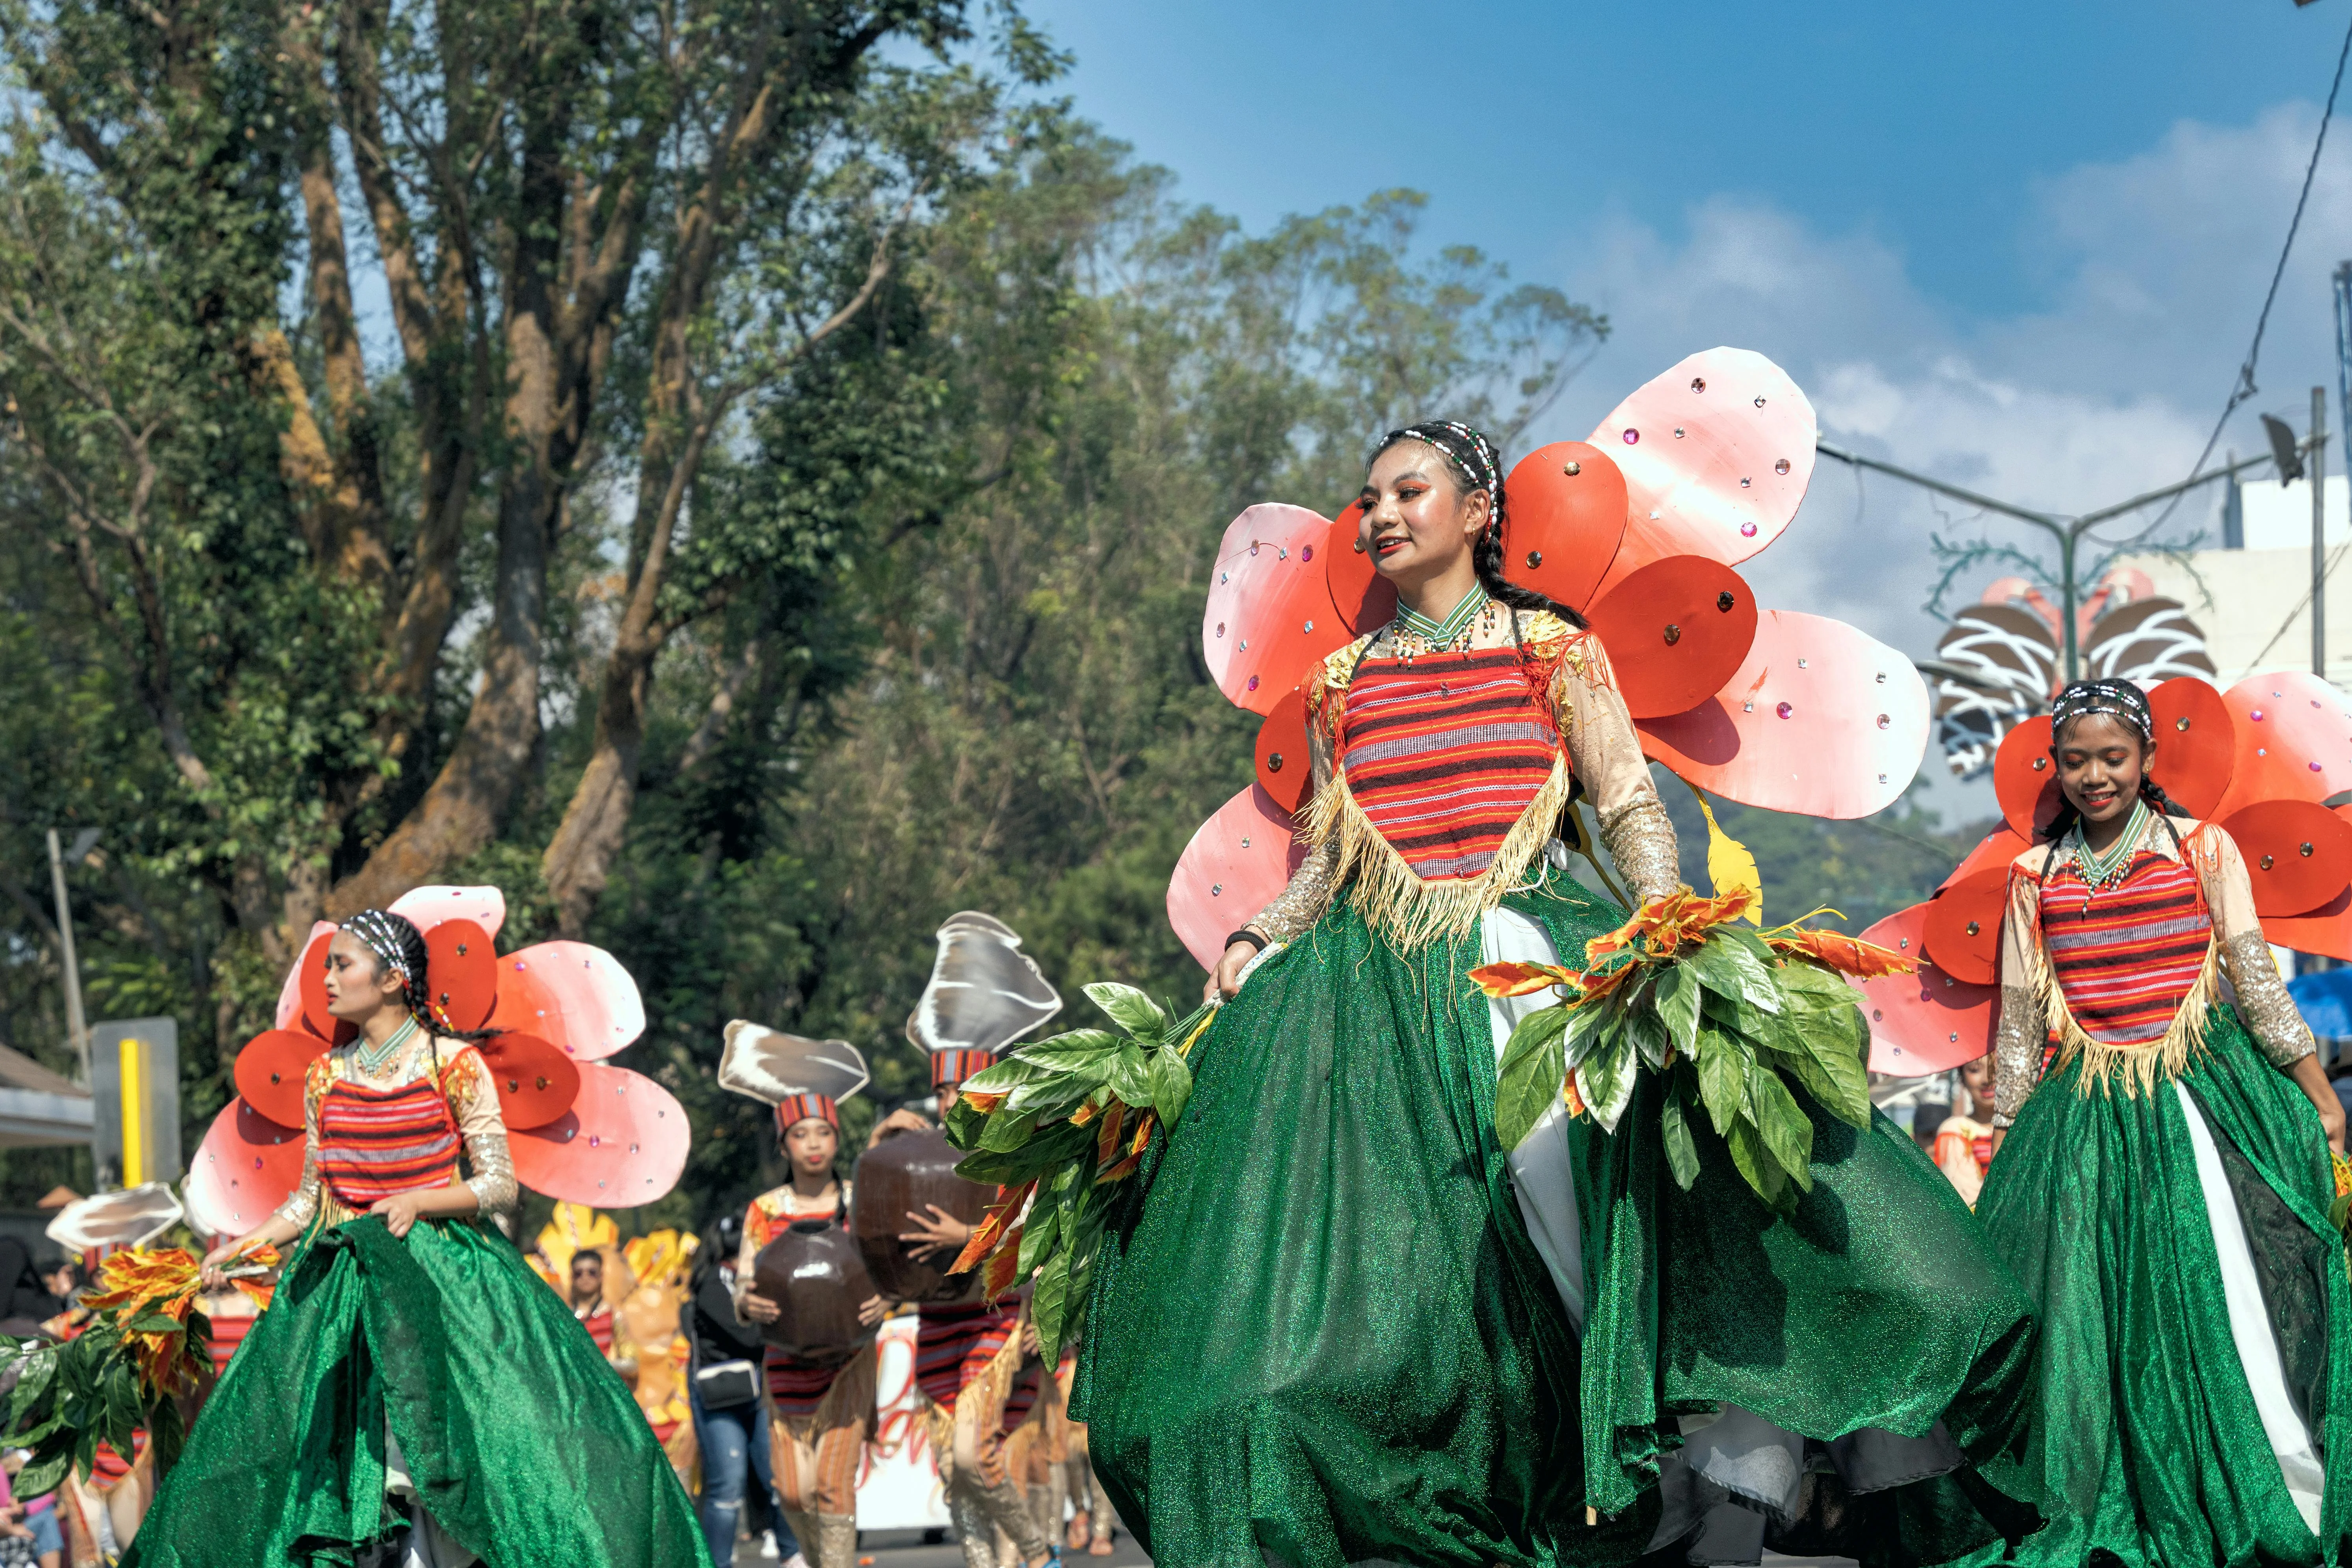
(2067, 532)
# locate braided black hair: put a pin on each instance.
(2118, 699)
(399, 945)
(1474, 463)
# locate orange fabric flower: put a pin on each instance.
(1513, 979)
(1848, 955)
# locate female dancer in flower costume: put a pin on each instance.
(2163, 1194)
(414, 1388)
(1338, 1324)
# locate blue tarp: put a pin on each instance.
(2325, 1000)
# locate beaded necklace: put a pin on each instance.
(2104, 871)
(1416, 634)
(373, 1060)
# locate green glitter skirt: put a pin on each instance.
(1321, 1336)
(2151, 1447)
(522, 1442)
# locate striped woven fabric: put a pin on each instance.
(954, 1344)
(1444, 755)
(106, 1466)
(227, 1334)
(2126, 956)
(599, 1324)
(376, 1142)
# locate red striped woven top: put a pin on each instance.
(229, 1333)
(377, 1142)
(599, 1324)
(1445, 754)
(2126, 956)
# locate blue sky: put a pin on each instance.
(1920, 124)
(2021, 247)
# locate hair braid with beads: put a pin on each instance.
(1474, 463)
(399, 946)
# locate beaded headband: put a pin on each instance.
(2116, 699)
(375, 928)
(1467, 449)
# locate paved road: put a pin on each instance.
(891, 1549)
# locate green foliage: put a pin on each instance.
(1043, 1142)
(1722, 1022)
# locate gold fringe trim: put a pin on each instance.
(1394, 900)
(2134, 1066)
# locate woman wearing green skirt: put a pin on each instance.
(1337, 1323)
(2164, 1193)
(415, 1396)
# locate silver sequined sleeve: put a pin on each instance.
(2023, 1029)
(1606, 752)
(1293, 912)
(2270, 1015)
(485, 1131)
(302, 1204)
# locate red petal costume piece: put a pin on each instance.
(1639, 527)
(2262, 759)
(579, 1130)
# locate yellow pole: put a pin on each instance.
(134, 1113)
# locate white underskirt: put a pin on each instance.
(1541, 1174)
(2250, 1323)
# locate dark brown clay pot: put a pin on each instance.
(899, 1176)
(814, 1275)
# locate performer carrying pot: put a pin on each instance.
(815, 1306)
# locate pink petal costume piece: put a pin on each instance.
(1335, 1322)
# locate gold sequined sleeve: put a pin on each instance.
(2270, 1013)
(2018, 1037)
(302, 1204)
(1293, 910)
(474, 1101)
(1606, 753)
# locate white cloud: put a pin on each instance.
(2151, 271)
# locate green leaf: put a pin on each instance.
(1832, 1075)
(1004, 1077)
(1723, 1062)
(1682, 1149)
(1172, 1085)
(1057, 1145)
(1607, 1069)
(1589, 1025)
(1787, 1130)
(1648, 1035)
(1049, 1303)
(1048, 1098)
(156, 1324)
(33, 1384)
(1131, 1010)
(1723, 965)
(1678, 996)
(1528, 1079)
(1130, 1076)
(1007, 1131)
(1038, 1234)
(1079, 1049)
(1756, 1164)
(964, 1123)
(44, 1474)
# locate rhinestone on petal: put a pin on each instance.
(1747, 530)
(1698, 383)
(1784, 710)
(1631, 436)
(1781, 467)
(1883, 720)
